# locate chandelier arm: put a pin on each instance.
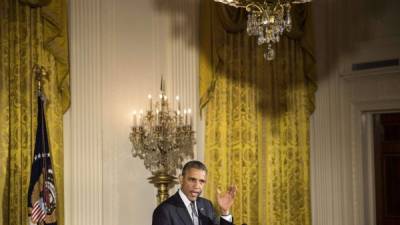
(277, 4)
(253, 5)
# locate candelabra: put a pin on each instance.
(163, 137)
(267, 20)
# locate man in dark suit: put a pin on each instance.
(187, 208)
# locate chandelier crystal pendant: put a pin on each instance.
(267, 20)
(163, 138)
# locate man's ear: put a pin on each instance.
(181, 179)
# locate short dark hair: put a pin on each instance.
(193, 164)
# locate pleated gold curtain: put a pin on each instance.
(257, 116)
(31, 32)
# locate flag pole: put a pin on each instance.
(41, 74)
(42, 197)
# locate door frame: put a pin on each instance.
(363, 169)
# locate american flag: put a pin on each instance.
(38, 212)
(42, 192)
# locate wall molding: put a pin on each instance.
(83, 165)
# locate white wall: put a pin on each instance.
(119, 49)
(341, 155)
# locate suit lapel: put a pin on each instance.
(204, 212)
(201, 208)
(184, 215)
(182, 211)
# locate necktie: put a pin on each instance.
(195, 215)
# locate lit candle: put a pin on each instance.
(134, 119)
(150, 102)
(185, 116)
(179, 103)
(140, 117)
(161, 102)
(178, 117)
(156, 116)
(190, 117)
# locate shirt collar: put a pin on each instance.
(184, 198)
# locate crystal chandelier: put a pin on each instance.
(163, 137)
(267, 20)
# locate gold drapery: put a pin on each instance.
(257, 116)
(31, 32)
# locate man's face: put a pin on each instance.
(192, 183)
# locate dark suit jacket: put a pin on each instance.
(173, 212)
